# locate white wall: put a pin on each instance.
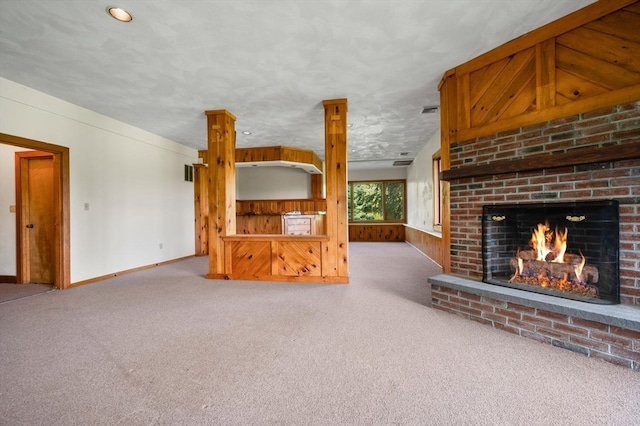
(377, 174)
(8, 218)
(132, 180)
(272, 183)
(420, 186)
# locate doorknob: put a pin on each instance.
(30, 225)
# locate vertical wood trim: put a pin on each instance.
(452, 108)
(546, 74)
(446, 99)
(22, 242)
(335, 257)
(221, 185)
(201, 207)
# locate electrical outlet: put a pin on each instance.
(160, 246)
(86, 206)
(12, 209)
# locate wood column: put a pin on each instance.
(221, 186)
(335, 255)
(201, 201)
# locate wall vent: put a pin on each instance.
(188, 173)
(430, 109)
(402, 162)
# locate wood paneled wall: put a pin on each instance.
(305, 206)
(269, 224)
(376, 232)
(277, 258)
(429, 244)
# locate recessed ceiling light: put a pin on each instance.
(119, 14)
(246, 132)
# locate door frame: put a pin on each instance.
(61, 217)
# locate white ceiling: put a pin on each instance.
(270, 63)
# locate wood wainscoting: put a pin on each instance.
(428, 244)
(376, 232)
(277, 258)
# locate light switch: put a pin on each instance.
(86, 206)
(12, 209)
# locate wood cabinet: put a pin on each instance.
(298, 224)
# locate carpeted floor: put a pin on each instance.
(17, 291)
(166, 346)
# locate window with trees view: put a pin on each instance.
(377, 201)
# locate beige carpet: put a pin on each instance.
(167, 347)
(17, 291)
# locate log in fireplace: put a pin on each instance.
(568, 250)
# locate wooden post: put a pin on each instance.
(201, 200)
(335, 256)
(221, 186)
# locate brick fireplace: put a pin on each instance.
(609, 332)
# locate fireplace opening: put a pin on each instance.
(567, 250)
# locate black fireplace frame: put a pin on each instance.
(593, 228)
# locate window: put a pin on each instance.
(376, 201)
(437, 190)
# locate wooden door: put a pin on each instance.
(37, 211)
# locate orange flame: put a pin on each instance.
(541, 242)
(578, 268)
(560, 245)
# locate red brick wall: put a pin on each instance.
(611, 180)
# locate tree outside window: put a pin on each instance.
(378, 201)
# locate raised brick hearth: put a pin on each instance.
(608, 332)
(609, 180)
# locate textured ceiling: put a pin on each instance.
(270, 63)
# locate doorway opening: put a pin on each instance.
(60, 235)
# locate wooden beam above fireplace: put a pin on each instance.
(575, 157)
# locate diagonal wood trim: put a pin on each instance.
(622, 96)
(574, 157)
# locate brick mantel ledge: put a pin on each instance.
(625, 316)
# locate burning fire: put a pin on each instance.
(541, 242)
(549, 266)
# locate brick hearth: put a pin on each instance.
(608, 332)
